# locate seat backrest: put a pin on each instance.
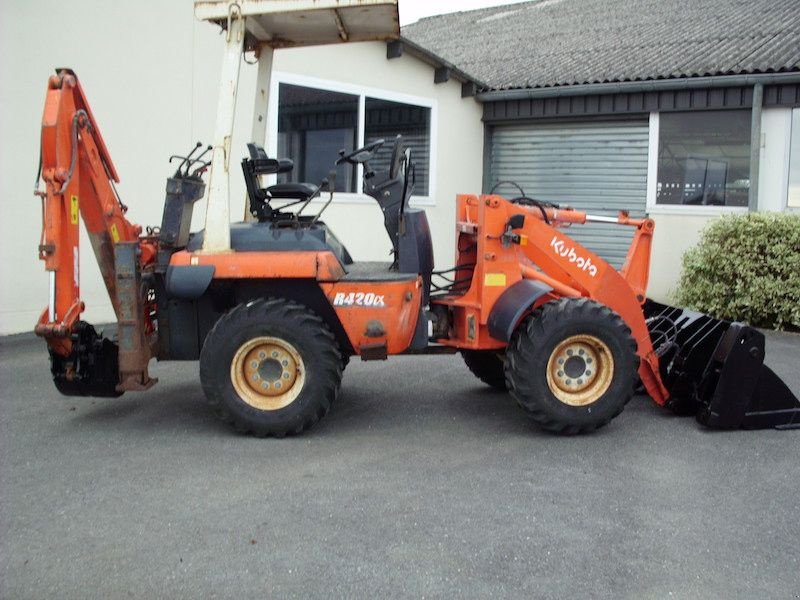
(256, 152)
(261, 164)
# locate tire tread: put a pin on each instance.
(329, 362)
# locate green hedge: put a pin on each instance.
(746, 268)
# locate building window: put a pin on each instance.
(794, 161)
(386, 119)
(314, 124)
(704, 158)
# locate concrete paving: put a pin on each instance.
(420, 483)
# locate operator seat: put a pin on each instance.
(260, 197)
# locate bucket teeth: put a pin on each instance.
(715, 370)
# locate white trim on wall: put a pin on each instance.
(362, 92)
(652, 161)
(788, 159)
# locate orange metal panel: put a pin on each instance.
(374, 313)
(323, 266)
(543, 252)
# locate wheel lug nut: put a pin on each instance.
(274, 354)
(262, 355)
(285, 362)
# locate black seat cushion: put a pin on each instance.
(295, 191)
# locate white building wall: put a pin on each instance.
(150, 72)
(773, 188)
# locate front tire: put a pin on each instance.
(271, 367)
(572, 366)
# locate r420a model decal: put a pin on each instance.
(358, 299)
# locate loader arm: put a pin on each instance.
(691, 362)
(79, 181)
(573, 270)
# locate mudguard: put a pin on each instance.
(511, 305)
(188, 282)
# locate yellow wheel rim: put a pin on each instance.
(268, 373)
(580, 370)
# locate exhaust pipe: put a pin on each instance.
(715, 370)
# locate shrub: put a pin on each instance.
(746, 268)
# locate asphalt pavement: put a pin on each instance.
(420, 483)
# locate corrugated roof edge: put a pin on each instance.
(682, 77)
(645, 85)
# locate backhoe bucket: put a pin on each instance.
(715, 370)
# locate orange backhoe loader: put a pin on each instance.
(275, 315)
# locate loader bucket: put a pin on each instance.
(715, 370)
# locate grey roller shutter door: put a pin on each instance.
(599, 168)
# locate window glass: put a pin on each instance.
(386, 119)
(704, 158)
(313, 125)
(794, 161)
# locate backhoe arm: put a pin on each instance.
(79, 183)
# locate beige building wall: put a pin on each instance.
(151, 74)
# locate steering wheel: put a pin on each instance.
(361, 154)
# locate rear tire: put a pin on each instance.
(271, 367)
(572, 366)
(486, 365)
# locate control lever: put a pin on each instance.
(186, 159)
(329, 183)
(203, 164)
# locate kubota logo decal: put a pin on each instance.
(568, 252)
(358, 299)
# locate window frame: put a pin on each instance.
(652, 183)
(357, 197)
(788, 160)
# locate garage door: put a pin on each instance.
(600, 168)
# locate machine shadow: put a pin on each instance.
(179, 407)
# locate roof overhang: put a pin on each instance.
(290, 23)
(652, 85)
(444, 69)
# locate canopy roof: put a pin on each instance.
(286, 23)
